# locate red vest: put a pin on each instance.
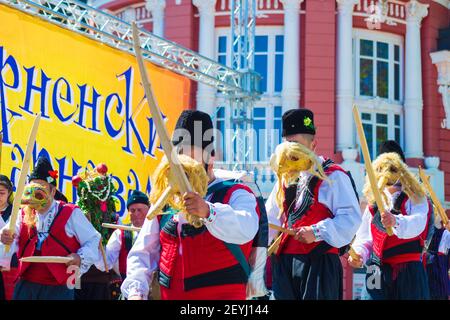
(313, 214)
(205, 263)
(123, 253)
(57, 243)
(391, 249)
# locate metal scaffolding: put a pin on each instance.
(243, 23)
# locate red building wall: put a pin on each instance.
(436, 139)
(318, 86)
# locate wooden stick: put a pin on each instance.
(281, 229)
(156, 208)
(368, 165)
(274, 246)
(120, 227)
(46, 259)
(353, 254)
(175, 166)
(23, 177)
(433, 196)
(102, 250)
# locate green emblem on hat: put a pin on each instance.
(308, 122)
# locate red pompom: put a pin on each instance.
(102, 168)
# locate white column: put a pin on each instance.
(441, 59)
(206, 95)
(413, 80)
(344, 75)
(290, 94)
(156, 7)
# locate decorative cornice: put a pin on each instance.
(291, 5)
(155, 5)
(346, 6)
(205, 6)
(442, 61)
(416, 11)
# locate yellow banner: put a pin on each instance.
(91, 102)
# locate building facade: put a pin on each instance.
(390, 57)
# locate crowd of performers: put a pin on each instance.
(212, 243)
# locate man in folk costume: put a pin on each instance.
(46, 227)
(121, 241)
(395, 269)
(437, 260)
(8, 264)
(207, 257)
(316, 198)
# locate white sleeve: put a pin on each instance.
(256, 285)
(142, 260)
(272, 213)
(444, 245)
(236, 222)
(411, 225)
(112, 251)
(363, 240)
(89, 239)
(340, 198)
(5, 258)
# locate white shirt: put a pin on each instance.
(408, 226)
(444, 245)
(5, 260)
(77, 226)
(338, 196)
(113, 251)
(2, 222)
(236, 222)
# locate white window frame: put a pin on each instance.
(269, 99)
(391, 39)
(374, 105)
(271, 32)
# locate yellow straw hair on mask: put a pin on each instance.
(197, 177)
(390, 169)
(288, 160)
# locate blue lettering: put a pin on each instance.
(7, 64)
(109, 127)
(42, 90)
(148, 189)
(129, 123)
(85, 104)
(17, 155)
(57, 95)
(132, 177)
(43, 153)
(119, 196)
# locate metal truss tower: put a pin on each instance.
(242, 23)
